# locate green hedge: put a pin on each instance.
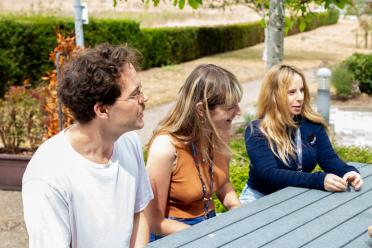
(25, 42)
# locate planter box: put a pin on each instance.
(12, 167)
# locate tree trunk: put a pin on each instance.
(275, 33)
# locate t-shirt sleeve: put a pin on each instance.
(46, 215)
(144, 191)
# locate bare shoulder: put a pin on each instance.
(163, 143)
(161, 149)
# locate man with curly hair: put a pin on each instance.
(87, 186)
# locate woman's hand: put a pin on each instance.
(354, 179)
(370, 231)
(334, 183)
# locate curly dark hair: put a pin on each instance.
(94, 76)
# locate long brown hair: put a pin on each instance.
(211, 85)
(277, 123)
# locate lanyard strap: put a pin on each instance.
(205, 199)
(299, 149)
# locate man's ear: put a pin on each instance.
(101, 110)
(200, 109)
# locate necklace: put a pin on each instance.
(205, 199)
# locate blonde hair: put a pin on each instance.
(211, 85)
(277, 123)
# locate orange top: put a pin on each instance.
(185, 198)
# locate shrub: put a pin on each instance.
(355, 154)
(361, 66)
(343, 80)
(26, 41)
(21, 120)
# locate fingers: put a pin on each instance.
(340, 184)
(334, 183)
(354, 179)
(358, 185)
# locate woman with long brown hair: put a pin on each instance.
(289, 139)
(189, 156)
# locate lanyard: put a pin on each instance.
(299, 149)
(205, 199)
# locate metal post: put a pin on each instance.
(60, 114)
(79, 33)
(323, 98)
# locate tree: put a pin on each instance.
(275, 33)
(273, 16)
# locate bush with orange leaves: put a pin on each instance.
(30, 115)
(66, 47)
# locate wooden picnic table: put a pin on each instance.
(292, 217)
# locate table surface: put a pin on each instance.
(292, 217)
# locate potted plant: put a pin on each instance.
(27, 117)
(21, 131)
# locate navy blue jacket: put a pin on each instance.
(268, 173)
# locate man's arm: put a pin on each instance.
(140, 233)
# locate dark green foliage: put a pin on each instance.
(25, 43)
(342, 79)
(311, 21)
(361, 66)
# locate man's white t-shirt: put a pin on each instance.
(68, 198)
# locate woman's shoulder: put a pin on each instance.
(163, 143)
(253, 129)
(308, 124)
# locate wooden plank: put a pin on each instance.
(358, 165)
(329, 220)
(296, 219)
(345, 233)
(363, 241)
(250, 225)
(212, 225)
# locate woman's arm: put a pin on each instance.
(327, 157)
(160, 164)
(227, 196)
(331, 163)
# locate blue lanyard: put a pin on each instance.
(205, 199)
(299, 149)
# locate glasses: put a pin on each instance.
(137, 95)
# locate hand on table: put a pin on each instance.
(354, 179)
(334, 183)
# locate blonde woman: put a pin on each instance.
(289, 139)
(188, 158)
